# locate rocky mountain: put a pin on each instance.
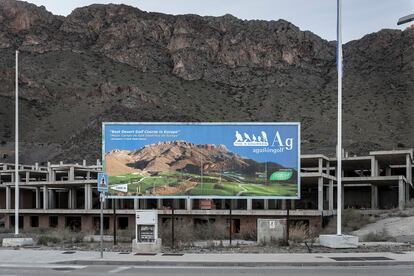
(181, 156)
(118, 63)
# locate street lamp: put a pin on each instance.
(339, 240)
(339, 146)
(405, 19)
(16, 152)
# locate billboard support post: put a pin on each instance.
(231, 222)
(287, 222)
(172, 225)
(114, 219)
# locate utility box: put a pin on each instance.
(271, 230)
(146, 232)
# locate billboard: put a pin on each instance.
(202, 160)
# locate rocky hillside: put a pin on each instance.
(118, 63)
(183, 157)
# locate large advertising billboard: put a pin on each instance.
(202, 160)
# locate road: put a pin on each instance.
(19, 269)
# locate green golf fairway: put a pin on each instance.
(186, 184)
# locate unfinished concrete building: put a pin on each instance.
(65, 195)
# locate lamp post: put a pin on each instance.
(16, 152)
(405, 19)
(339, 146)
(339, 240)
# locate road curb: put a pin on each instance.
(235, 264)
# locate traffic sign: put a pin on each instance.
(102, 182)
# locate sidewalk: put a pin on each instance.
(48, 257)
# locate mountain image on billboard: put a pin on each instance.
(201, 160)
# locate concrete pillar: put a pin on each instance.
(331, 195)
(159, 203)
(188, 204)
(86, 196)
(320, 165)
(8, 197)
(292, 204)
(222, 202)
(374, 197)
(266, 204)
(373, 167)
(36, 166)
(175, 203)
(249, 204)
(320, 194)
(84, 162)
(37, 191)
(88, 175)
(143, 203)
(52, 199)
(233, 204)
(388, 171)
(74, 202)
(72, 198)
(52, 175)
(328, 168)
(27, 177)
(409, 176)
(26, 222)
(45, 198)
(283, 204)
(136, 204)
(91, 196)
(401, 194)
(71, 174)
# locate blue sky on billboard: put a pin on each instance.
(360, 17)
(281, 147)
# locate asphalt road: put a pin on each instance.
(49, 270)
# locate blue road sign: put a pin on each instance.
(102, 182)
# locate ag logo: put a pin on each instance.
(251, 140)
(261, 140)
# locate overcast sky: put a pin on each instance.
(360, 17)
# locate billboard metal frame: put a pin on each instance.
(297, 124)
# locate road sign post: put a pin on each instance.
(102, 198)
(103, 189)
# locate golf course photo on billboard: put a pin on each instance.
(202, 160)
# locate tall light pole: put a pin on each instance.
(339, 146)
(16, 152)
(405, 19)
(339, 240)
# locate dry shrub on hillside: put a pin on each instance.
(185, 233)
(54, 236)
(379, 236)
(300, 232)
(351, 220)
